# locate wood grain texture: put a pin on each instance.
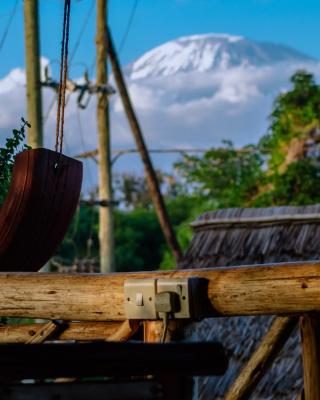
(310, 341)
(273, 289)
(261, 359)
(44, 333)
(38, 209)
(81, 331)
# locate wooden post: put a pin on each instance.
(106, 236)
(310, 342)
(151, 176)
(262, 358)
(34, 99)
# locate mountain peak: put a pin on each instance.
(209, 52)
(205, 36)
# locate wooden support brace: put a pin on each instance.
(80, 331)
(310, 342)
(45, 332)
(262, 358)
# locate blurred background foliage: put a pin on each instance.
(282, 169)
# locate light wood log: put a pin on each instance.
(231, 291)
(152, 331)
(261, 359)
(310, 341)
(44, 333)
(81, 331)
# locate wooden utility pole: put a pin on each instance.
(106, 237)
(151, 176)
(34, 99)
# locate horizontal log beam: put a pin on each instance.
(288, 288)
(110, 331)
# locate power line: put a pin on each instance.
(125, 35)
(82, 30)
(129, 24)
(6, 31)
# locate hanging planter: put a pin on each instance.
(43, 194)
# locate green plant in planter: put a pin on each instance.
(13, 146)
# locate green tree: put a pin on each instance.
(225, 175)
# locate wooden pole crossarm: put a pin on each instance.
(288, 288)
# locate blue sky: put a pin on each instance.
(200, 122)
(291, 22)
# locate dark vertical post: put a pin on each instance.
(151, 176)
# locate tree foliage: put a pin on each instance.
(275, 172)
(13, 145)
(228, 176)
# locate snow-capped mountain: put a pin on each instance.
(209, 52)
(190, 92)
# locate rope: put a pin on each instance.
(63, 77)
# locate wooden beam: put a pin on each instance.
(262, 359)
(19, 361)
(111, 331)
(44, 333)
(310, 341)
(97, 297)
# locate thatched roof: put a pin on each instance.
(237, 236)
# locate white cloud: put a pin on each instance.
(185, 110)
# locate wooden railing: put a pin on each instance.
(280, 289)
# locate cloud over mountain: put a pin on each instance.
(191, 92)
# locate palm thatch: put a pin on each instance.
(236, 236)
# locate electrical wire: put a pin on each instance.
(6, 30)
(129, 25)
(124, 37)
(82, 30)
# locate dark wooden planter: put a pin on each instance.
(42, 199)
